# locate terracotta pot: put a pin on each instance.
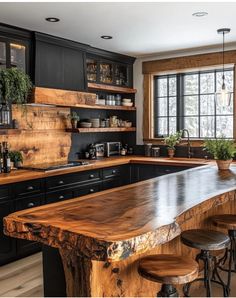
(171, 152)
(223, 164)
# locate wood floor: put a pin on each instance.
(23, 278)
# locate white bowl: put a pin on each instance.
(85, 124)
(127, 104)
(126, 100)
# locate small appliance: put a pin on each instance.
(113, 148)
(100, 150)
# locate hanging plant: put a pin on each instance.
(15, 86)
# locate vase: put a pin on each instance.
(223, 164)
(171, 152)
(73, 123)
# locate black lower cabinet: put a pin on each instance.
(7, 244)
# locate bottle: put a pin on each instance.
(1, 158)
(6, 159)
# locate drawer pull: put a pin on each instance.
(114, 171)
(91, 176)
(30, 188)
(30, 205)
(91, 190)
(167, 171)
(61, 197)
(61, 182)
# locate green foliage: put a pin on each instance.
(222, 149)
(16, 156)
(173, 139)
(73, 116)
(15, 85)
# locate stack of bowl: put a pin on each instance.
(95, 122)
(85, 124)
(127, 102)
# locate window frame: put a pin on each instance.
(180, 116)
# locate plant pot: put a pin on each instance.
(73, 124)
(223, 164)
(17, 164)
(171, 152)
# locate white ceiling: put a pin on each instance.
(137, 28)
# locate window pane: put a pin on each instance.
(229, 82)
(172, 106)
(207, 104)
(225, 110)
(191, 123)
(191, 84)
(207, 127)
(172, 125)
(190, 105)
(162, 126)
(172, 86)
(17, 55)
(224, 126)
(207, 83)
(2, 55)
(162, 87)
(162, 106)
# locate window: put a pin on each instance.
(187, 100)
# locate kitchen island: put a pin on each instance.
(101, 236)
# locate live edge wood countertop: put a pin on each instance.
(114, 224)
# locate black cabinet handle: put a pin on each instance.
(61, 197)
(61, 182)
(91, 190)
(30, 188)
(91, 176)
(114, 171)
(31, 204)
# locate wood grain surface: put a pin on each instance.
(168, 268)
(116, 89)
(226, 221)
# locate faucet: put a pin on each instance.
(190, 153)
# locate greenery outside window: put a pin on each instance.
(187, 100)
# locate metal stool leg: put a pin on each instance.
(167, 290)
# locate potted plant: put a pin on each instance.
(16, 157)
(223, 151)
(15, 87)
(74, 118)
(171, 141)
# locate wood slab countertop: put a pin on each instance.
(114, 224)
(24, 175)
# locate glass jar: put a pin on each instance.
(148, 149)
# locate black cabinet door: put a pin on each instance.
(59, 67)
(7, 244)
(25, 247)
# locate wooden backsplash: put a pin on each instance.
(42, 137)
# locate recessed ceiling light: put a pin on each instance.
(106, 37)
(52, 19)
(200, 14)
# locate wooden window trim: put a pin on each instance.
(172, 65)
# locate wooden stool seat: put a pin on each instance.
(205, 239)
(226, 221)
(168, 269)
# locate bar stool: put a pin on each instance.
(168, 270)
(206, 241)
(227, 221)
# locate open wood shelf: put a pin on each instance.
(102, 129)
(105, 107)
(116, 89)
(9, 131)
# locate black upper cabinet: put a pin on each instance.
(59, 63)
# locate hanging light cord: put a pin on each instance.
(223, 76)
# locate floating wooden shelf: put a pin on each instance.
(105, 107)
(111, 88)
(10, 131)
(102, 129)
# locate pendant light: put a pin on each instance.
(223, 97)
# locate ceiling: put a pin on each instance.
(138, 29)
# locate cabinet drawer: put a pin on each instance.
(110, 183)
(4, 193)
(56, 196)
(61, 182)
(28, 188)
(31, 202)
(111, 172)
(85, 190)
